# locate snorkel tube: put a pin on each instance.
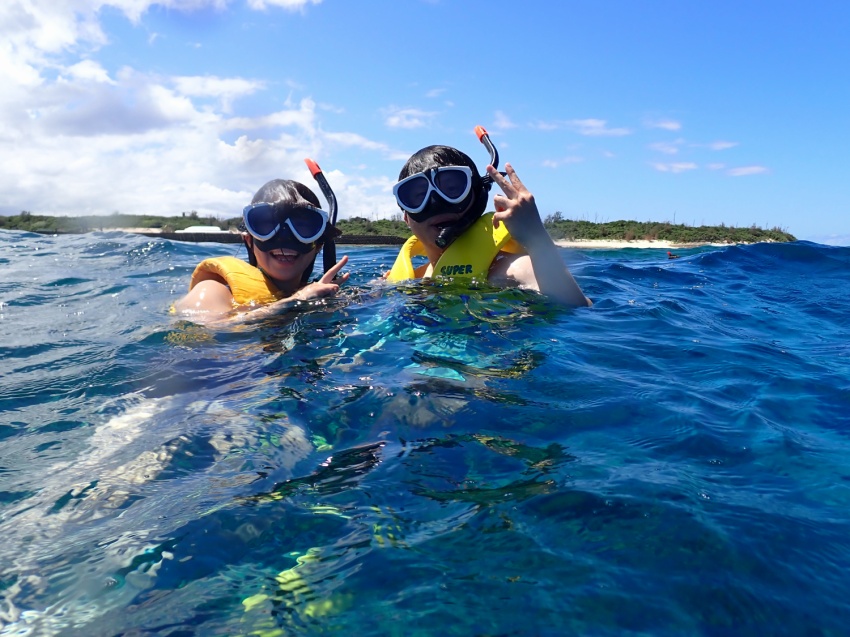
(449, 234)
(484, 138)
(329, 248)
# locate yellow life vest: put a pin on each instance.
(247, 283)
(468, 257)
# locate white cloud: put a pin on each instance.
(140, 145)
(665, 124)
(211, 86)
(395, 117)
(36, 34)
(675, 167)
(668, 148)
(363, 197)
(292, 5)
(353, 139)
(130, 104)
(597, 128)
(502, 121)
(546, 126)
(557, 163)
(225, 89)
(76, 138)
(716, 166)
(722, 145)
(831, 239)
(590, 127)
(301, 117)
(358, 141)
(89, 70)
(32, 32)
(165, 167)
(331, 108)
(435, 92)
(744, 171)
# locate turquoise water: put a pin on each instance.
(426, 460)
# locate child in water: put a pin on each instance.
(284, 229)
(443, 198)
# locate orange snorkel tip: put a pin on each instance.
(484, 138)
(313, 167)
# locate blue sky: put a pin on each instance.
(683, 111)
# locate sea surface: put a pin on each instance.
(426, 459)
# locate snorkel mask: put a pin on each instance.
(298, 227)
(452, 185)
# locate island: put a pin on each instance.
(360, 230)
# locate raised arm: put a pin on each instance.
(542, 268)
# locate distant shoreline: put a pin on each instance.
(599, 244)
(383, 240)
(236, 237)
(614, 244)
(610, 244)
(620, 234)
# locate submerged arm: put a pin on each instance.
(211, 299)
(328, 285)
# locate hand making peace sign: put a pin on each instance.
(516, 208)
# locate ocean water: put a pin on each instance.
(426, 460)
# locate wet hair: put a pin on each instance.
(285, 191)
(438, 156)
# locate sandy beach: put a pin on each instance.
(601, 244)
(616, 245)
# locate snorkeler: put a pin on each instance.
(443, 198)
(283, 228)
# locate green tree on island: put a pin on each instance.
(559, 227)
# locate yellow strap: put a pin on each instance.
(247, 283)
(402, 269)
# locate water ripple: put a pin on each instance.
(671, 461)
